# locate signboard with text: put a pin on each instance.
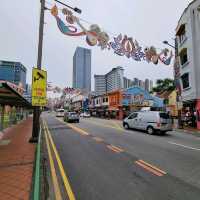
(39, 85)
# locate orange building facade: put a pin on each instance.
(115, 104)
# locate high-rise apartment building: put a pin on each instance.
(141, 84)
(100, 84)
(13, 72)
(151, 85)
(114, 79)
(82, 69)
(135, 82)
(147, 84)
(127, 83)
(111, 81)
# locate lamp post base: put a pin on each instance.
(33, 140)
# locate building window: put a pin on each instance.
(185, 80)
(183, 56)
(181, 34)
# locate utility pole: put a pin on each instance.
(178, 95)
(36, 110)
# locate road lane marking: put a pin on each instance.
(81, 131)
(119, 149)
(184, 146)
(148, 168)
(75, 128)
(152, 166)
(62, 171)
(97, 139)
(114, 148)
(52, 168)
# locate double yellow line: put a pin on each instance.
(114, 148)
(151, 168)
(67, 186)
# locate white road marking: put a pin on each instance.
(187, 147)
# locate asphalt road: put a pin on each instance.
(105, 162)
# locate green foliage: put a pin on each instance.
(164, 85)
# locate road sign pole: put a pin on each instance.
(36, 111)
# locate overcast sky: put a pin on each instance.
(148, 21)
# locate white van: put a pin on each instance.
(60, 112)
(150, 121)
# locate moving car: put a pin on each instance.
(71, 117)
(149, 121)
(85, 114)
(60, 112)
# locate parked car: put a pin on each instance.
(60, 112)
(85, 114)
(71, 117)
(149, 121)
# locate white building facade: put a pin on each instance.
(187, 69)
(111, 81)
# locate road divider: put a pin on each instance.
(150, 168)
(114, 148)
(61, 168)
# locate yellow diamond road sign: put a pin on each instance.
(39, 85)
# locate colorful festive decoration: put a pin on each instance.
(122, 45)
(94, 36)
(126, 47)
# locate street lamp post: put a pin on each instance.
(178, 99)
(36, 110)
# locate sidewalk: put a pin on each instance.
(189, 130)
(16, 162)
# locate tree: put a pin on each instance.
(164, 85)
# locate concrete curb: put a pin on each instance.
(187, 131)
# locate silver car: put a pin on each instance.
(71, 117)
(150, 121)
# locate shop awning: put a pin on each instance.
(8, 96)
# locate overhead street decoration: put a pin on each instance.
(122, 44)
(39, 86)
(65, 90)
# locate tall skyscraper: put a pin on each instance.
(82, 69)
(13, 72)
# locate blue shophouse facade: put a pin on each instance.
(140, 97)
